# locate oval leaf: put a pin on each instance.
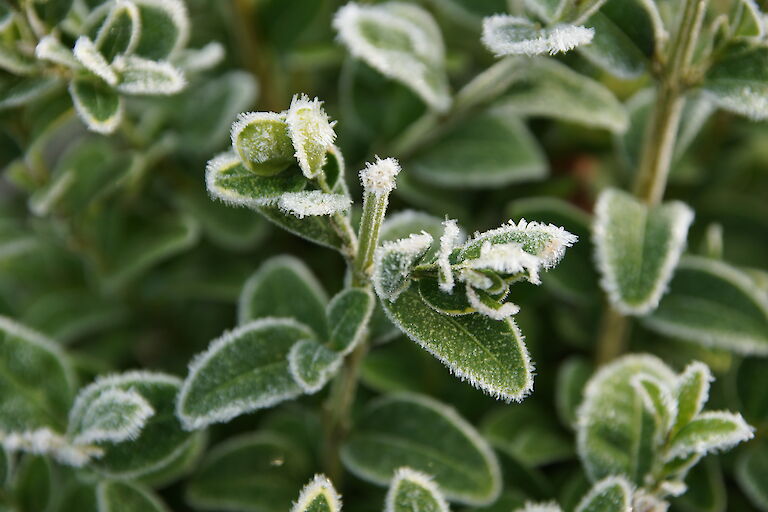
(319, 495)
(100, 107)
(738, 81)
(414, 491)
(113, 416)
(612, 494)
(349, 313)
(263, 142)
(312, 365)
(164, 28)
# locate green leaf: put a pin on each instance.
(312, 365)
(710, 431)
(164, 28)
(408, 222)
(418, 432)
(160, 441)
(138, 76)
(738, 80)
(37, 382)
(250, 473)
(612, 494)
(349, 313)
(490, 149)
(751, 380)
(88, 55)
(489, 354)
(19, 91)
(33, 484)
(546, 88)
(117, 496)
(658, 401)
(615, 433)
(311, 133)
(284, 287)
(318, 495)
(401, 41)
(751, 468)
(714, 304)
(317, 229)
(113, 416)
(229, 181)
(100, 107)
(52, 12)
(512, 35)
(692, 393)
(263, 142)
(638, 248)
(414, 491)
(749, 23)
(51, 49)
(242, 371)
(394, 262)
(120, 32)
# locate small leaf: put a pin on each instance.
(140, 76)
(692, 393)
(638, 248)
(489, 354)
(164, 28)
(120, 32)
(401, 41)
(263, 142)
(710, 431)
(418, 432)
(348, 315)
(89, 56)
(311, 133)
(318, 495)
(414, 491)
(393, 264)
(242, 371)
(490, 149)
(313, 203)
(712, 303)
(658, 400)
(229, 181)
(100, 107)
(751, 468)
(312, 365)
(511, 35)
(117, 496)
(253, 472)
(738, 80)
(751, 23)
(612, 494)
(284, 287)
(201, 59)
(114, 416)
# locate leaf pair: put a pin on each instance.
(295, 347)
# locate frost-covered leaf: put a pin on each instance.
(46, 442)
(738, 81)
(318, 495)
(348, 315)
(489, 354)
(401, 41)
(113, 416)
(692, 392)
(512, 35)
(487, 150)
(531, 506)
(139, 76)
(37, 382)
(252, 472)
(425, 435)
(615, 433)
(313, 203)
(242, 371)
(544, 87)
(316, 229)
(712, 303)
(157, 448)
(414, 491)
(164, 28)
(749, 22)
(312, 364)
(658, 400)
(612, 494)
(19, 91)
(751, 468)
(99, 106)
(228, 180)
(284, 287)
(51, 49)
(393, 264)
(263, 142)
(311, 133)
(638, 248)
(122, 496)
(120, 32)
(88, 55)
(710, 431)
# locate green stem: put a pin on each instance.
(374, 209)
(341, 224)
(658, 150)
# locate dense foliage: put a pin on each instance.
(497, 255)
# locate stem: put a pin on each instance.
(658, 150)
(374, 208)
(341, 224)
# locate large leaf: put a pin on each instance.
(738, 81)
(401, 41)
(713, 304)
(488, 150)
(638, 248)
(418, 432)
(413, 491)
(242, 371)
(489, 354)
(37, 383)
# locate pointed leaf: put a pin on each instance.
(612, 494)
(401, 41)
(738, 81)
(89, 56)
(713, 304)
(692, 393)
(318, 495)
(100, 107)
(311, 133)
(710, 431)
(512, 35)
(418, 432)
(120, 32)
(348, 315)
(164, 28)
(263, 142)
(414, 491)
(113, 416)
(284, 287)
(638, 248)
(242, 371)
(487, 150)
(140, 76)
(312, 365)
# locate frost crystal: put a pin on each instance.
(45, 441)
(313, 203)
(504, 311)
(509, 258)
(449, 241)
(511, 35)
(311, 132)
(379, 177)
(393, 262)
